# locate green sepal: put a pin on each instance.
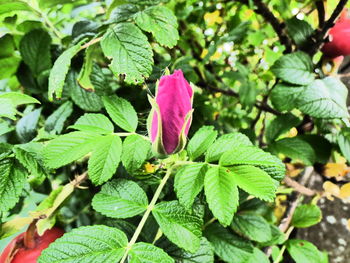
(157, 146)
(182, 137)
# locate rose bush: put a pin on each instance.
(171, 131)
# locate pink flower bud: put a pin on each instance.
(171, 114)
(339, 38)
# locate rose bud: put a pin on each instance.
(171, 114)
(339, 35)
(27, 247)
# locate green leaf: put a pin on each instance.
(85, 72)
(146, 2)
(189, 181)
(8, 109)
(343, 139)
(280, 125)
(295, 68)
(86, 100)
(87, 244)
(122, 112)
(306, 216)
(18, 98)
(144, 252)
(200, 141)
(29, 25)
(204, 254)
(50, 200)
(251, 155)
(123, 13)
(176, 223)
(258, 256)
(5, 127)
(284, 96)
(8, 66)
(29, 155)
(254, 181)
(161, 22)
(55, 122)
(68, 148)
(324, 98)
(35, 51)
(7, 45)
(48, 207)
(105, 159)
(222, 194)
(93, 122)
(136, 150)
(225, 143)
(12, 180)
(59, 71)
(52, 3)
(303, 251)
(5, 150)
(277, 237)
(322, 147)
(299, 30)
(228, 246)
(130, 52)
(237, 33)
(252, 226)
(14, 5)
(120, 199)
(26, 126)
(295, 148)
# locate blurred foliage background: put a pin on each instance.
(225, 48)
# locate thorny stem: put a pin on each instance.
(146, 214)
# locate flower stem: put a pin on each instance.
(29, 236)
(146, 214)
(280, 255)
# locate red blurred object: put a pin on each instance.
(17, 252)
(339, 38)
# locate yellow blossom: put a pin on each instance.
(212, 18)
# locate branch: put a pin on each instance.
(259, 104)
(91, 42)
(321, 13)
(295, 201)
(264, 11)
(299, 187)
(320, 35)
(336, 13)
